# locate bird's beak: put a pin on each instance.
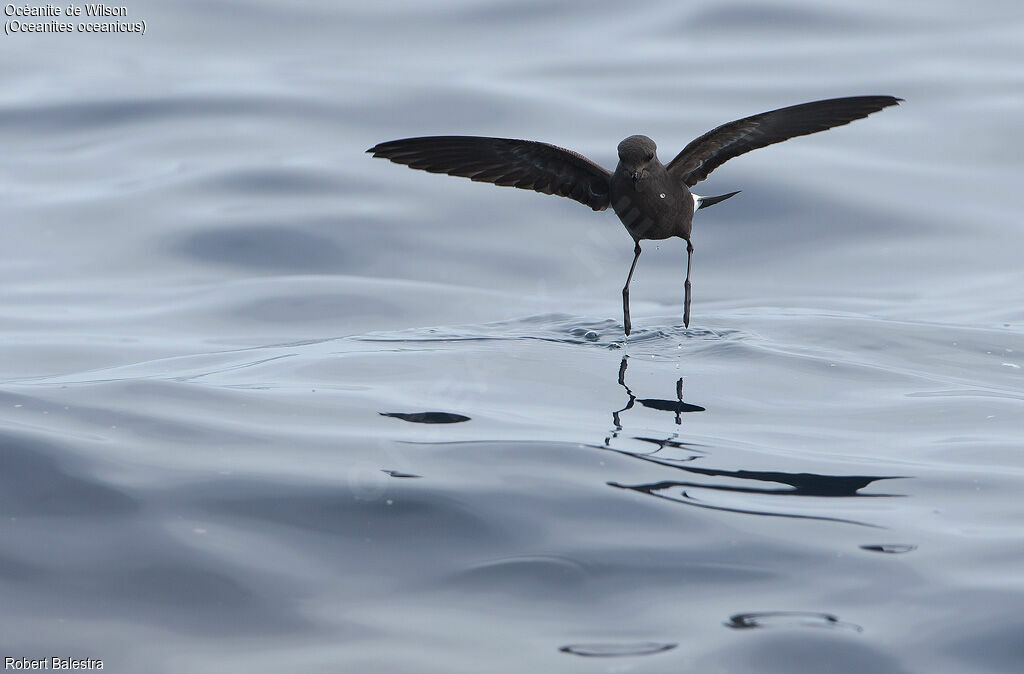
(637, 175)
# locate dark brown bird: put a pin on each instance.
(652, 200)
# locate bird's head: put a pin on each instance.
(636, 155)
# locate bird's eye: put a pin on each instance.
(649, 157)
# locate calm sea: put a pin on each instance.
(268, 404)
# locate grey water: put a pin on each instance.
(268, 404)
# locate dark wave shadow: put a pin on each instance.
(36, 480)
(119, 112)
(266, 246)
(890, 548)
(746, 621)
(427, 417)
(615, 650)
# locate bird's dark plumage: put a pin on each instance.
(652, 200)
(525, 164)
(714, 148)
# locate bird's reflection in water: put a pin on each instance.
(750, 481)
(677, 406)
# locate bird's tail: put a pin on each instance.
(704, 202)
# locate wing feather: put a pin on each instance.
(714, 148)
(525, 164)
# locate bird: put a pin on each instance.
(653, 200)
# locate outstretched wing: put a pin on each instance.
(525, 164)
(718, 146)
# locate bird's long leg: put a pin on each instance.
(686, 302)
(625, 289)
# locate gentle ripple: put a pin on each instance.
(267, 404)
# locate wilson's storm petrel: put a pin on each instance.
(652, 200)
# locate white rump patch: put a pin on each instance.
(696, 201)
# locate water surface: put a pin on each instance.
(268, 404)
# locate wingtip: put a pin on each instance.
(882, 100)
(379, 149)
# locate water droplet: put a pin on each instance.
(617, 650)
